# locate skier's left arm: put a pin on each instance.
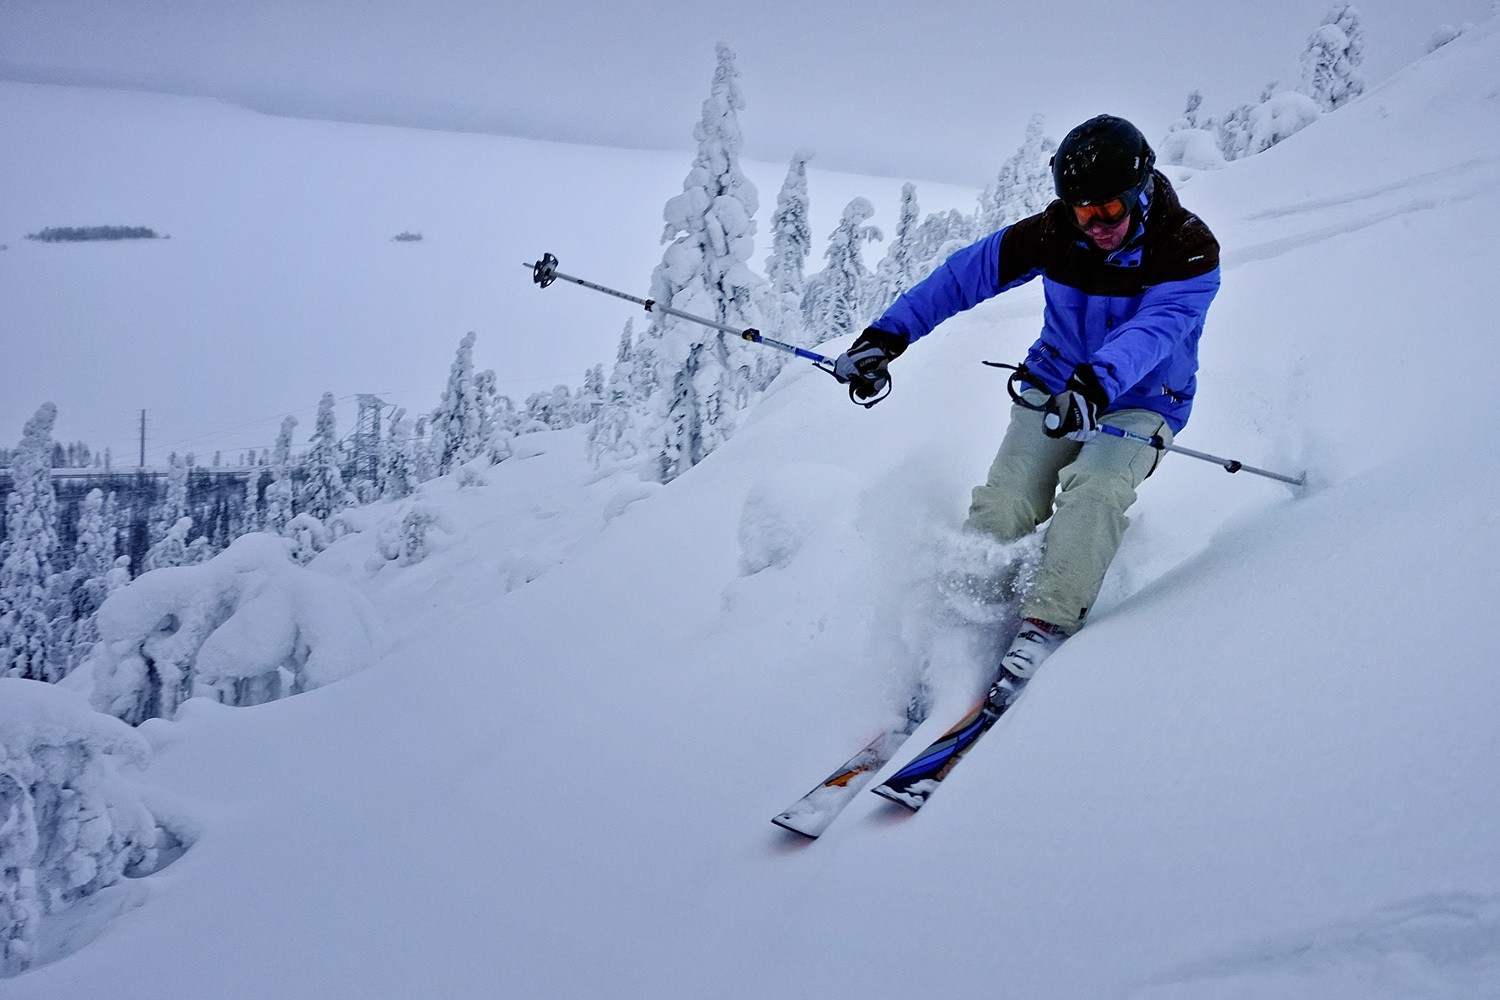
(1170, 313)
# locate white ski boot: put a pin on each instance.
(1036, 641)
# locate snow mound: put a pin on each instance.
(786, 507)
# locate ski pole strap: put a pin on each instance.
(1020, 373)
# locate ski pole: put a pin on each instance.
(1019, 373)
(545, 271)
(1227, 464)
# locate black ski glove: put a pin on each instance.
(1074, 413)
(866, 365)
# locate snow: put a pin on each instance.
(1266, 768)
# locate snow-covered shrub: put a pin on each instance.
(1280, 117)
(307, 536)
(172, 549)
(242, 628)
(70, 824)
(408, 539)
(468, 477)
(1192, 147)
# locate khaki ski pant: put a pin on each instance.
(1085, 488)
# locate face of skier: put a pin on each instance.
(1106, 224)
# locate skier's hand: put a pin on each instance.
(1074, 413)
(866, 365)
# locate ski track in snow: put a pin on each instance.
(1442, 945)
(1478, 186)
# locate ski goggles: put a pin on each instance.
(1106, 214)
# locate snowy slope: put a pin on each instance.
(1267, 768)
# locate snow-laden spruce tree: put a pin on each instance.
(455, 427)
(71, 823)
(280, 497)
(171, 549)
(26, 558)
(843, 290)
(553, 411)
(710, 228)
(897, 270)
(1024, 185)
(624, 408)
(791, 231)
(397, 480)
(93, 558)
(779, 301)
(1191, 119)
(1330, 64)
(323, 493)
(174, 506)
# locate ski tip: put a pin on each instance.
(786, 822)
(911, 800)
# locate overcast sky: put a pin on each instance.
(933, 92)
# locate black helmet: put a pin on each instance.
(1104, 158)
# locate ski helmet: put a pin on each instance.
(1104, 158)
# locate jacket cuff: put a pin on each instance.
(1085, 380)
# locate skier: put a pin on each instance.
(1128, 275)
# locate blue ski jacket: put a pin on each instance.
(1134, 315)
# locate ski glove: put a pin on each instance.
(1074, 413)
(866, 365)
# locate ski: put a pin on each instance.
(912, 785)
(812, 814)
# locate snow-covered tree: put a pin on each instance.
(624, 408)
(396, 477)
(1279, 117)
(456, 421)
(791, 231)
(71, 823)
(1330, 64)
(323, 493)
(897, 270)
(1191, 119)
(552, 410)
(230, 628)
(840, 309)
(250, 511)
(590, 397)
(172, 549)
(26, 558)
(280, 502)
(1024, 184)
(93, 557)
(175, 507)
(711, 233)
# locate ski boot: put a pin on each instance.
(1036, 641)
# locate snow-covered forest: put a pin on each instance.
(491, 565)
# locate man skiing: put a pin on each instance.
(1128, 275)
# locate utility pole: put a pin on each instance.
(143, 440)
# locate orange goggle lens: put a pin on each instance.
(1109, 213)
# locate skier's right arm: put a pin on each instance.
(980, 271)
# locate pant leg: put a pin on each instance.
(1089, 519)
(1017, 493)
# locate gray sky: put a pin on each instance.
(937, 92)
